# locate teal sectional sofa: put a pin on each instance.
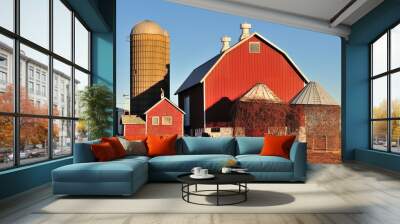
(125, 176)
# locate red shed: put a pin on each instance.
(164, 118)
(209, 92)
(133, 125)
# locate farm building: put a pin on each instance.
(209, 93)
(133, 125)
(260, 111)
(313, 116)
(322, 124)
(150, 65)
(163, 118)
(253, 88)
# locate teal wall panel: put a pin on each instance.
(356, 101)
(97, 14)
(102, 59)
(380, 159)
(103, 64)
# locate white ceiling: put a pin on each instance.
(322, 9)
(327, 16)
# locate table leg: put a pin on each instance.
(245, 193)
(188, 190)
(195, 188)
(217, 194)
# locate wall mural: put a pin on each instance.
(249, 88)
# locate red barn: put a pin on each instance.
(133, 125)
(164, 118)
(209, 92)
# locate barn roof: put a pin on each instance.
(314, 94)
(169, 101)
(199, 74)
(260, 91)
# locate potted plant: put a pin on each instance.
(96, 102)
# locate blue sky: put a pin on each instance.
(195, 37)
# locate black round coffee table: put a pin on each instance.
(238, 179)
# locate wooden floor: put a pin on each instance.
(377, 188)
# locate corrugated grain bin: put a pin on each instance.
(149, 65)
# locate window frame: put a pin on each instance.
(3, 74)
(153, 119)
(5, 66)
(3, 71)
(16, 114)
(165, 118)
(388, 74)
(254, 43)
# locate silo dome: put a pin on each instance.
(148, 27)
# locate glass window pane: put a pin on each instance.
(62, 138)
(395, 136)
(81, 131)
(395, 47)
(62, 89)
(379, 135)
(34, 96)
(379, 97)
(81, 45)
(35, 21)
(81, 82)
(62, 29)
(6, 142)
(7, 14)
(6, 74)
(33, 140)
(395, 94)
(379, 56)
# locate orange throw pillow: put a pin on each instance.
(277, 145)
(116, 145)
(103, 152)
(161, 145)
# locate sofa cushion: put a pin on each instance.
(103, 152)
(275, 145)
(161, 145)
(208, 145)
(112, 171)
(249, 145)
(185, 163)
(83, 153)
(116, 145)
(257, 163)
(135, 147)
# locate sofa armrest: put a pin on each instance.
(83, 152)
(298, 155)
